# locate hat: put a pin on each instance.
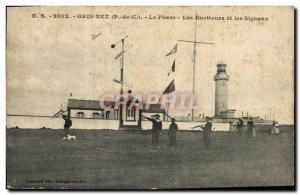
(157, 115)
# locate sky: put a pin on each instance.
(49, 58)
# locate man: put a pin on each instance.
(276, 128)
(239, 127)
(206, 131)
(231, 127)
(68, 124)
(156, 129)
(251, 130)
(173, 128)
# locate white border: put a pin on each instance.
(150, 2)
(5, 3)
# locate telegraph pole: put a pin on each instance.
(195, 42)
(121, 77)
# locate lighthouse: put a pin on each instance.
(221, 90)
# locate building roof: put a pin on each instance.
(95, 105)
(154, 108)
(88, 104)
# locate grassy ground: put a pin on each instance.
(126, 160)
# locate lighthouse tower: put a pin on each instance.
(221, 90)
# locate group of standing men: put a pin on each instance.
(205, 128)
(173, 128)
(157, 130)
(250, 128)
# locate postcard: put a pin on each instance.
(150, 97)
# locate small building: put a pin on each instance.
(108, 110)
(91, 109)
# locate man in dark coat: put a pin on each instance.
(240, 127)
(173, 128)
(156, 129)
(250, 129)
(67, 125)
(206, 131)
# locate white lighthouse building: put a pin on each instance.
(221, 93)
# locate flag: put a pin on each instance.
(174, 50)
(172, 68)
(170, 88)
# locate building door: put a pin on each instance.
(130, 116)
(116, 114)
(107, 114)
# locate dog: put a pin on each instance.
(71, 137)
